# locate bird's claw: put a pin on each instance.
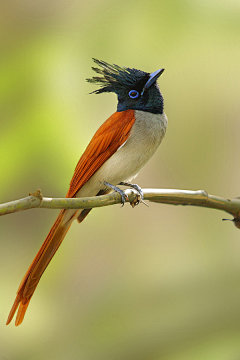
(124, 197)
(139, 197)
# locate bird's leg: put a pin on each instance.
(121, 192)
(133, 186)
(139, 190)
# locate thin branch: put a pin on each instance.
(164, 196)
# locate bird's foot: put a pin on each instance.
(121, 192)
(139, 198)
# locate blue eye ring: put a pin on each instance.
(133, 94)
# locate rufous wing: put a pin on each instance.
(108, 138)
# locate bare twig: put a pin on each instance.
(165, 196)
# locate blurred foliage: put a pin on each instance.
(146, 284)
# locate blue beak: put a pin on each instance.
(153, 77)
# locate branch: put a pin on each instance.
(164, 196)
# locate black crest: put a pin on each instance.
(115, 78)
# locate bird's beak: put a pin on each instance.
(152, 78)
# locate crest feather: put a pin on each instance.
(114, 77)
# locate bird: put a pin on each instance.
(121, 146)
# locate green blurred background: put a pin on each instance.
(151, 283)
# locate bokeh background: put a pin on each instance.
(151, 283)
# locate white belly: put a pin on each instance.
(144, 139)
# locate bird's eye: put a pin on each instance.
(133, 94)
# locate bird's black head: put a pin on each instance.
(136, 89)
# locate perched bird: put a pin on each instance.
(119, 149)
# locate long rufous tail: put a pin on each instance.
(37, 268)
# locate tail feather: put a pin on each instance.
(37, 268)
(21, 312)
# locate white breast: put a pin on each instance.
(144, 139)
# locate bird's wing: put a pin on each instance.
(108, 138)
